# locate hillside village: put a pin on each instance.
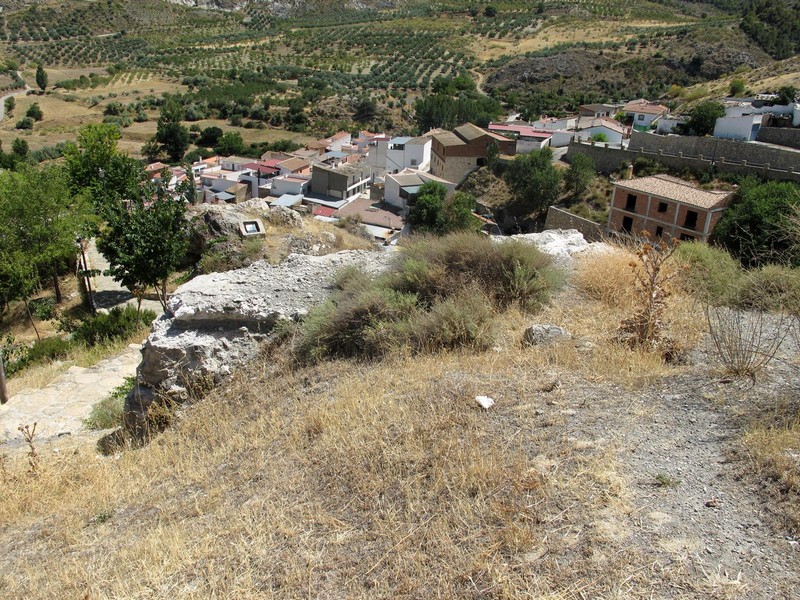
(446, 326)
(374, 178)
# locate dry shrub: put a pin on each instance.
(607, 277)
(440, 293)
(745, 341)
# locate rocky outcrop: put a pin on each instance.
(219, 321)
(562, 244)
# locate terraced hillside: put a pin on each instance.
(533, 55)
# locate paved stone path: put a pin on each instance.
(61, 406)
(107, 292)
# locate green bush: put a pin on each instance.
(708, 272)
(510, 271)
(772, 287)
(118, 323)
(440, 293)
(107, 413)
(52, 348)
(465, 320)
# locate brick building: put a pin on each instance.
(456, 153)
(665, 207)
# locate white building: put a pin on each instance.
(400, 153)
(744, 128)
(400, 189)
(289, 184)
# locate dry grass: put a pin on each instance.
(607, 281)
(772, 442)
(341, 480)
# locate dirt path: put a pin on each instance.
(700, 524)
(3, 98)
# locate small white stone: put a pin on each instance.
(484, 401)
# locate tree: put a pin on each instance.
(230, 143)
(20, 147)
(173, 136)
(25, 123)
(146, 242)
(426, 214)
(41, 220)
(10, 105)
(786, 95)
(534, 180)
(457, 214)
(580, 174)
(35, 112)
(41, 77)
(97, 170)
(209, 137)
(704, 116)
(365, 111)
(755, 228)
(490, 11)
(151, 150)
(434, 212)
(737, 87)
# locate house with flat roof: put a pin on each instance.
(666, 207)
(401, 189)
(398, 153)
(344, 182)
(455, 154)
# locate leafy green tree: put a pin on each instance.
(580, 174)
(35, 112)
(787, 94)
(41, 77)
(229, 144)
(600, 138)
(97, 170)
(434, 212)
(755, 228)
(737, 87)
(209, 137)
(490, 11)
(534, 180)
(146, 241)
(426, 214)
(151, 150)
(41, 219)
(20, 147)
(10, 104)
(173, 136)
(704, 116)
(25, 123)
(457, 214)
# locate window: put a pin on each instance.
(685, 237)
(691, 219)
(662, 207)
(640, 117)
(627, 224)
(413, 162)
(659, 231)
(630, 203)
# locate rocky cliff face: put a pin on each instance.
(219, 321)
